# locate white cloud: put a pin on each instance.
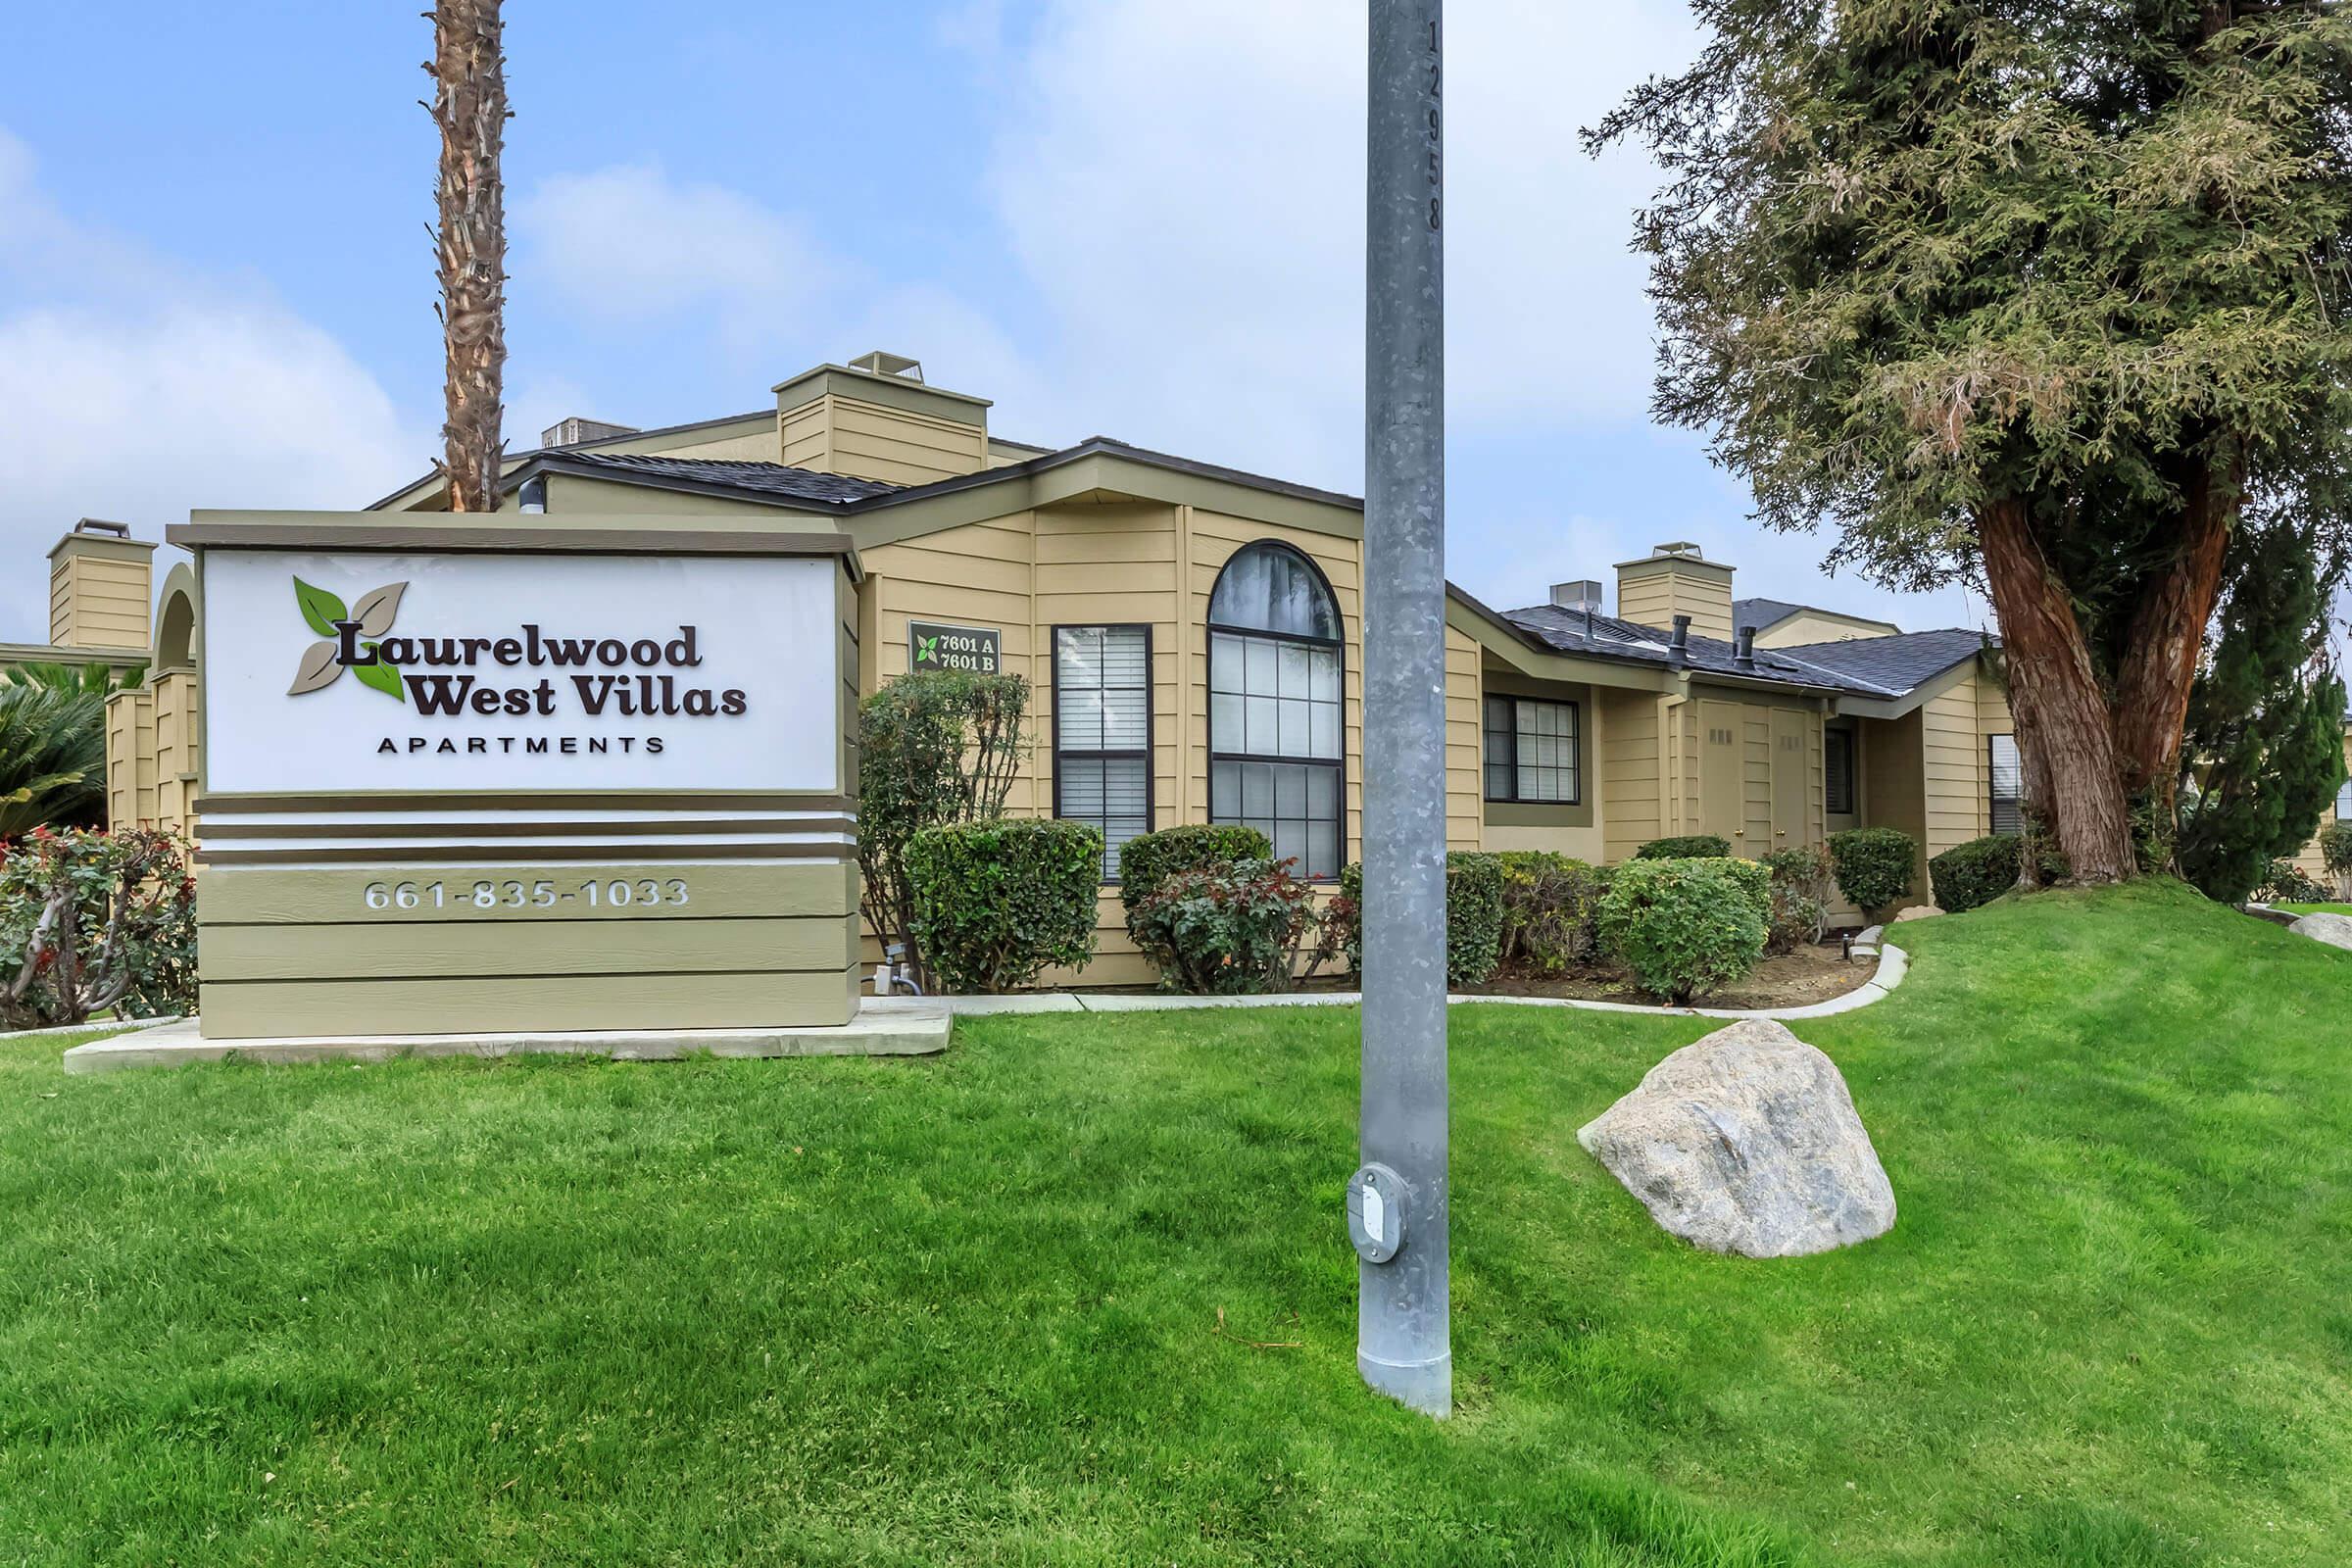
(1182, 191)
(133, 392)
(630, 244)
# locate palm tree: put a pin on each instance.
(469, 69)
(52, 758)
(95, 678)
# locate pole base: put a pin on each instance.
(1423, 1386)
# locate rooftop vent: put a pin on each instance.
(1676, 547)
(117, 531)
(881, 364)
(573, 431)
(1583, 594)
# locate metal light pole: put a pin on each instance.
(1396, 1203)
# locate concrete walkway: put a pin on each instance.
(1893, 964)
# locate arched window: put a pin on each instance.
(1276, 661)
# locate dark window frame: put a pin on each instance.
(1119, 754)
(1851, 773)
(1993, 797)
(1338, 766)
(1486, 762)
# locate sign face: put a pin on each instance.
(930, 645)
(365, 672)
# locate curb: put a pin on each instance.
(108, 1025)
(1893, 964)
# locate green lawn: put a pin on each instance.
(966, 1309)
(2315, 909)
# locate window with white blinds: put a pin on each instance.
(2343, 803)
(2008, 776)
(1102, 732)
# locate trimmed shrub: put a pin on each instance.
(1548, 905)
(1802, 880)
(1225, 929)
(1688, 846)
(994, 902)
(2336, 851)
(92, 920)
(1683, 927)
(1473, 920)
(1873, 865)
(1150, 858)
(1971, 875)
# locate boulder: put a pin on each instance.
(1747, 1143)
(1917, 912)
(2333, 929)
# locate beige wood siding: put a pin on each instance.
(99, 597)
(131, 761)
(839, 434)
(1633, 782)
(1464, 739)
(2309, 860)
(1894, 780)
(1956, 767)
(1821, 626)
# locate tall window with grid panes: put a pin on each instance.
(1276, 675)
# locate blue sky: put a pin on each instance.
(1117, 216)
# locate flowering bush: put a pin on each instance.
(91, 921)
(1230, 929)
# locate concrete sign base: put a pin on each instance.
(899, 1029)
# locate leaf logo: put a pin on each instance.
(371, 618)
(927, 648)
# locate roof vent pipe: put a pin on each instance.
(1743, 650)
(533, 495)
(1679, 649)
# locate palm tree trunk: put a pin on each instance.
(469, 107)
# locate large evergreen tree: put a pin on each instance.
(2265, 720)
(2043, 294)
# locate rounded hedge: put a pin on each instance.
(1548, 904)
(2336, 847)
(1474, 915)
(1874, 866)
(1688, 846)
(1971, 875)
(996, 901)
(1683, 927)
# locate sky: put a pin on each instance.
(1126, 217)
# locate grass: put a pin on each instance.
(967, 1309)
(2315, 909)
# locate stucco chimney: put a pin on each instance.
(877, 418)
(1675, 579)
(101, 588)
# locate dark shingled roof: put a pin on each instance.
(1566, 631)
(1867, 666)
(766, 478)
(1894, 664)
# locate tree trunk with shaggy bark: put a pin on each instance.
(470, 108)
(2063, 727)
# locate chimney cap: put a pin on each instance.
(89, 531)
(882, 363)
